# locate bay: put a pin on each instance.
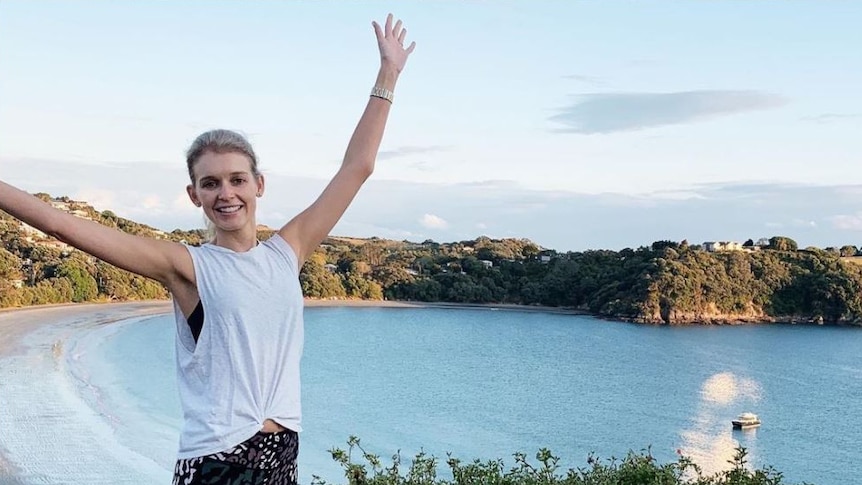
(484, 383)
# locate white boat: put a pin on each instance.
(746, 420)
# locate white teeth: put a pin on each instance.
(226, 210)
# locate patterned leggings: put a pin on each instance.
(265, 458)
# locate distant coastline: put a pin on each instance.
(710, 320)
(333, 302)
(316, 302)
(715, 319)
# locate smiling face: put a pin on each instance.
(227, 190)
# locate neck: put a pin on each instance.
(238, 241)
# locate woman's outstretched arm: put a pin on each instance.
(163, 261)
(310, 227)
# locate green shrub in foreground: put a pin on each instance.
(634, 469)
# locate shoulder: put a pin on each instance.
(278, 245)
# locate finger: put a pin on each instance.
(388, 28)
(397, 30)
(401, 36)
(410, 49)
(377, 31)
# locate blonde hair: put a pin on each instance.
(219, 141)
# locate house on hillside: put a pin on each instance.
(715, 246)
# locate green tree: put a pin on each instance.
(356, 286)
(84, 286)
(319, 282)
(10, 266)
(781, 243)
(849, 250)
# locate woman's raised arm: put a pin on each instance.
(305, 231)
(164, 261)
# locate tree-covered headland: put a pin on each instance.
(665, 282)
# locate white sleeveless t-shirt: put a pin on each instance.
(245, 366)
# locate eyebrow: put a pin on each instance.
(232, 174)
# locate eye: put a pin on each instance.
(238, 181)
(208, 184)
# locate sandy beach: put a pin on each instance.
(22, 354)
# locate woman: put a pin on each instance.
(237, 300)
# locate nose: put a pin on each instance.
(225, 192)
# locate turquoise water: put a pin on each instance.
(485, 384)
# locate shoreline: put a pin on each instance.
(315, 303)
(17, 322)
(312, 303)
(732, 320)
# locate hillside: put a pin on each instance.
(38, 269)
(664, 283)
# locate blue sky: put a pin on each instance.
(575, 124)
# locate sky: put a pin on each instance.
(577, 125)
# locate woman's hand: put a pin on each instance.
(390, 40)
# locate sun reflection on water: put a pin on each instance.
(710, 440)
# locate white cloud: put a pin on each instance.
(349, 228)
(847, 222)
(98, 198)
(804, 223)
(433, 222)
(832, 117)
(409, 150)
(181, 202)
(152, 202)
